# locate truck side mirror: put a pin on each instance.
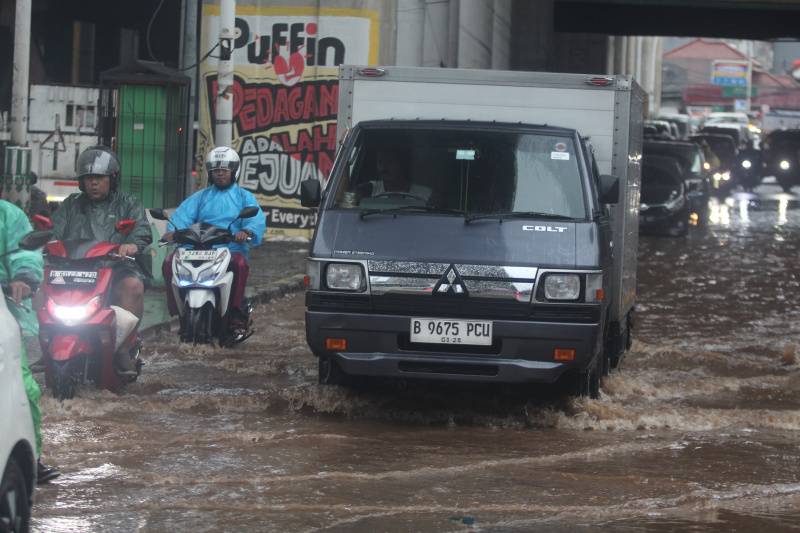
(609, 189)
(310, 193)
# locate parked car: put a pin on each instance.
(781, 153)
(664, 129)
(664, 205)
(17, 440)
(738, 132)
(681, 121)
(724, 149)
(696, 178)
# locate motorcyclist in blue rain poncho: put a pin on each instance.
(220, 204)
(21, 273)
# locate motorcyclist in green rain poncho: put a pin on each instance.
(21, 272)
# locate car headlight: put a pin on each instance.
(562, 287)
(71, 315)
(344, 276)
(784, 165)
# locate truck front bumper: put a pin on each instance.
(522, 351)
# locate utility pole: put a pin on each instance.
(16, 172)
(223, 135)
(188, 59)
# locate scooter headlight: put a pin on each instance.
(746, 164)
(784, 165)
(184, 275)
(207, 276)
(71, 315)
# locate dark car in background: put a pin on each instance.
(696, 178)
(720, 154)
(781, 153)
(664, 205)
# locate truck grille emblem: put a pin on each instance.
(451, 283)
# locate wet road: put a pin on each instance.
(698, 431)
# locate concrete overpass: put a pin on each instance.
(734, 19)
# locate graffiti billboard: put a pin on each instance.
(285, 98)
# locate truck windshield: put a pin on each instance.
(463, 172)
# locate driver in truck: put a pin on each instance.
(393, 175)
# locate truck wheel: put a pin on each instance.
(329, 372)
(15, 513)
(590, 380)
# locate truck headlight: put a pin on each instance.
(344, 276)
(562, 287)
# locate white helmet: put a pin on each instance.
(223, 157)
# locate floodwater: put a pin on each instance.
(698, 431)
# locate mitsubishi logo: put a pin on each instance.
(451, 283)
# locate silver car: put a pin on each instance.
(17, 440)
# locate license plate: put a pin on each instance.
(199, 255)
(72, 277)
(444, 331)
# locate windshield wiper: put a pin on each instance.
(518, 214)
(395, 210)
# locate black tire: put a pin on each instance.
(65, 378)
(589, 381)
(330, 373)
(193, 326)
(15, 510)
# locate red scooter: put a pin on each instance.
(77, 326)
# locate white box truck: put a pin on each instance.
(477, 226)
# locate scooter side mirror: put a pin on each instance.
(249, 212)
(125, 226)
(159, 214)
(36, 239)
(42, 222)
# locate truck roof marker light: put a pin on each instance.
(371, 71)
(335, 344)
(600, 81)
(560, 354)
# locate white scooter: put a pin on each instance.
(201, 282)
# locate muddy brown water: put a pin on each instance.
(698, 431)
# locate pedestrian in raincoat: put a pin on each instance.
(220, 204)
(22, 272)
(93, 214)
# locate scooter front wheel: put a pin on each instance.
(65, 379)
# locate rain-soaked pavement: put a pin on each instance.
(697, 431)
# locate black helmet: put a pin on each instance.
(98, 160)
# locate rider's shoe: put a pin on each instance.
(38, 366)
(123, 365)
(136, 347)
(44, 474)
